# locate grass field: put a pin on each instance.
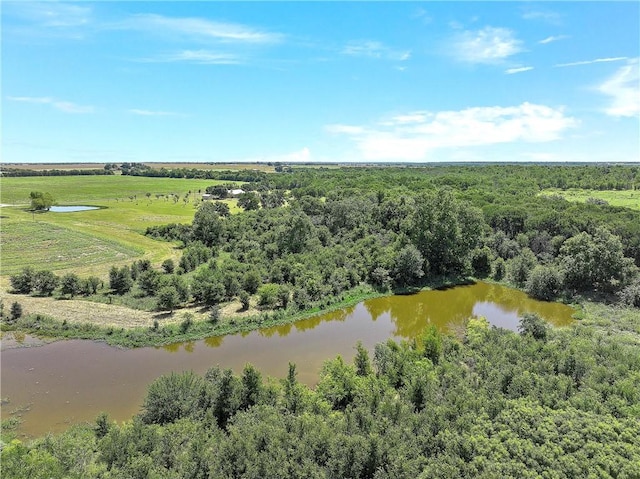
(625, 198)
(89, 242)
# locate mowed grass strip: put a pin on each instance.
(624, 198)
(47, 246)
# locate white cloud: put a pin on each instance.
(511, 71)
(489, 45)
(199, 28)
(51, 14)
(136, 111)
(373, 49)
(552, 38)
(547, 16)
(589, 62)
(203, 57)
(414, 136)
(624, 89)
(62, 105)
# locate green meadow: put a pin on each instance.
(92, 241)
(625, 198)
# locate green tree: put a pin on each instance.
(16, 311)
(481, 262)
(245, 299)
(519, 268)
(168, 298)
(251, 391)
(361, 361)
(207, 225)
(150, 281)
(90, 285)
(432, 344)
(23, 282)
(44, 282)
(251, 281)
(172, 397)
(268, 294)
(168, 266)
(249, 201)
(408, 265)
(531, 324)
(41, 201)
(544, 282)
(120, 279)
(595, 262)
(445, 231)
(70, 284)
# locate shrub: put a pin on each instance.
(531, 324)
(172, 397)
(168, 266)
(544, 282)
(631, 295)
(16, 311)
(22, 282)
(214, 314)
(245, 300)
(268, 294)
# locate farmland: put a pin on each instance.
(92, 241)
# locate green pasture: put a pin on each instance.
(92, 241)
(625, 198)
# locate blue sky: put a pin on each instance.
(320, 81)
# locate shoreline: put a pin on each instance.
(48, 328)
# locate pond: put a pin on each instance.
(72, 209)
(72, 381)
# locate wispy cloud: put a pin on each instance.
(136, 111)
(199, 28)
(203, 57)
(51, 14)
(486, 46)
(547, 16)
(553, 38)
(373, 49)
(624, 89)
(589, 62)
(413, 136)
(511, 71)
(36, 20)
(61, 105)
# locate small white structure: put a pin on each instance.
(236, 192)
(207, 196)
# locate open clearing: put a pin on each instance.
(625, 198)
(90, 242)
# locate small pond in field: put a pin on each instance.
(67, 382)
(72, 209)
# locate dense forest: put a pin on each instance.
(550, 403)
(309, 236)
(543, 403)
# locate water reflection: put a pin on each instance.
(63, 389)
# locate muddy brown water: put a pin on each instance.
(58, 384)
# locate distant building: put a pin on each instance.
(207, 196)
(236, 192)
